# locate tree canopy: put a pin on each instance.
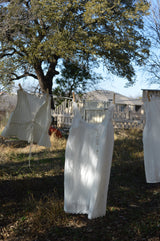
(75, 77)
(153, 33)
(36, 34)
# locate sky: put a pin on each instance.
(135, 91)
(116, 84)
(113, 83)
(119, 85)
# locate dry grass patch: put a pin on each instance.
(31, 199)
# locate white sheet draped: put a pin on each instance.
(151, 140)
(31, 119)
(88, 160)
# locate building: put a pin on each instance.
(92, 106)
(148, 93)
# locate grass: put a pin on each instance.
(31, 200)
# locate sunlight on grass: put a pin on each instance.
(31, 199)
(9, 151)
(57, 143)
(112, 209)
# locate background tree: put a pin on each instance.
(36, 34)
(75, 76)
(153, 33)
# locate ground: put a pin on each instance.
(31, 199)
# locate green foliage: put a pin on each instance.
(74, 77)
(35, 34)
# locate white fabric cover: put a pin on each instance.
(31, 119)
(151, 140)
(88, 160)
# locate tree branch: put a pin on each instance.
(51, 70)
(17, 77)
(4, 54)
(7, 54)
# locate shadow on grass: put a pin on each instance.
(133, 207)
(15, 193)
(40, 164)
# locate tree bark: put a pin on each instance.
(46, 81)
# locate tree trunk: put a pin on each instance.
(46, 87)
(46, 81)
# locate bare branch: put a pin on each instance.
(26, 74)
(6, 52)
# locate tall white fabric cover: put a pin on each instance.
(31, 119)
(88, 160)
(151, 140)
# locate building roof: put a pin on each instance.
(106, 95)
(151, 89)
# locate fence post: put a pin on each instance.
(114, 95)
